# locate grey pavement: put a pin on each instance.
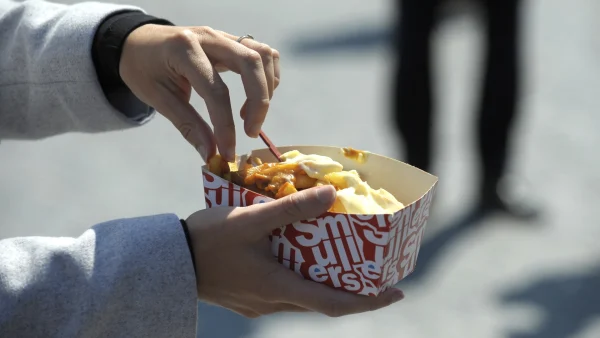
(495, 279)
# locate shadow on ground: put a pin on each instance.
(357, 38)
(569, 303)
(365, 35)
(434, 247)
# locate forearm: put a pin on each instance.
(49, 83)
(124, 277)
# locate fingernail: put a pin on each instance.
(326, 194)
(230, 155)
(255, 129)
(202, 151)
(397, 296)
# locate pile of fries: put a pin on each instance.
(275, 180)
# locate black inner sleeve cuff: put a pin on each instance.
(189, 241)
(106, 55)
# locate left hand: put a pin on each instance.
(161, 65)
(235, 267)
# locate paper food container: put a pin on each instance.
(362, 254)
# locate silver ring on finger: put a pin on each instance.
(247, 36)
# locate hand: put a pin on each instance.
(161, 64)
(236, 270)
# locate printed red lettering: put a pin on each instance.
(342, 252)
(351, 282)
(334, 271)
(317, 273)
(334, 222)
(324, 259)
(316, 234)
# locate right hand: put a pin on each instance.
(236, 269)
(161, 65)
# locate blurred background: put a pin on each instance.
(490, 276)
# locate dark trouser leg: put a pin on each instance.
(412, 94)
(499, 106)
(500, 90)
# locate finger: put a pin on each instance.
(189, 123)
(270, 58)
(275, 55)
(205, 80)
(268, 309)
(331, 302)
(255, 311)
(276, 70)
(248, 63)
(244, 110)
(276, 80)
(256, 308)
(263, 218)
(245, 312)
(221, 68)
(266, 55)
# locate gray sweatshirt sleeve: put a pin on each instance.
(48, 83)
(124, 278)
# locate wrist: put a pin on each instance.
(110, 39)
(107, 50)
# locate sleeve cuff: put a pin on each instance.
(155, 267)
(106, 54)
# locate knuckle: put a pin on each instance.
(189, 132)
(220, 90)
(183, 38)
(275, 53)
(334, 310)
(225, 124)
(253, 59)
(292, 206)
(205, 31)
(262, 104)
(264, 50)
(186, 129)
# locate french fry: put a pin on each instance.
(217, 165)
(305, 182)
(233, 166)
(337, 207)
(236, 177)
(337, 179)
(354, 154)
(254, 161)
(274, 179)
(286, 189)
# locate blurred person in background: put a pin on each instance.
(413, 99)
(95, 67)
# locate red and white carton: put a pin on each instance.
(362, 254)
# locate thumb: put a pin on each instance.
(306, 204)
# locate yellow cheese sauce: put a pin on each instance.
(354, 196)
